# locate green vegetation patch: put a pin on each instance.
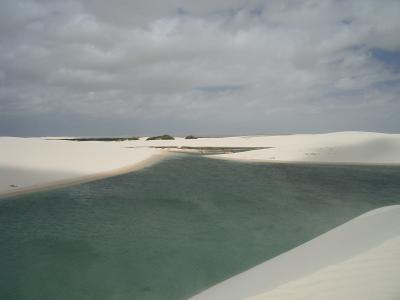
(161, 137)
(103, 139)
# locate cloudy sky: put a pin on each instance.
(215, 67)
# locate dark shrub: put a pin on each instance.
(104, 139)
(190, 137)
(160, 137)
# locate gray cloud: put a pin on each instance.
(85, 67)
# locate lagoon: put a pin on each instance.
(175, 228)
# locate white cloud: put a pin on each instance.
(163, 59)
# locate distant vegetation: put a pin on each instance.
(103, 139)
(190, 137)
(160, 137)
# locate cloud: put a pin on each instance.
(198, 66)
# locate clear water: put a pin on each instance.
(176, 228)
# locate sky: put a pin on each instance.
(209, 67)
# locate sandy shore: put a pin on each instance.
(357, 260)
(30, 164)
(33, 164)
(368, 276)
(76, 179)
(339, 147)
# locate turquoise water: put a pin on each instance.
(175, 228)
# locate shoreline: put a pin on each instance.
(86, 178)
(25, 161)
(305, 162)
(160, 156)
(333, 248)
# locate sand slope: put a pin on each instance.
(340, 147)
(370, 275)
(27, 163)
(357, 260)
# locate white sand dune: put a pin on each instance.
(370, 275)
(339, 147)
(27, 163)
(357, 260)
